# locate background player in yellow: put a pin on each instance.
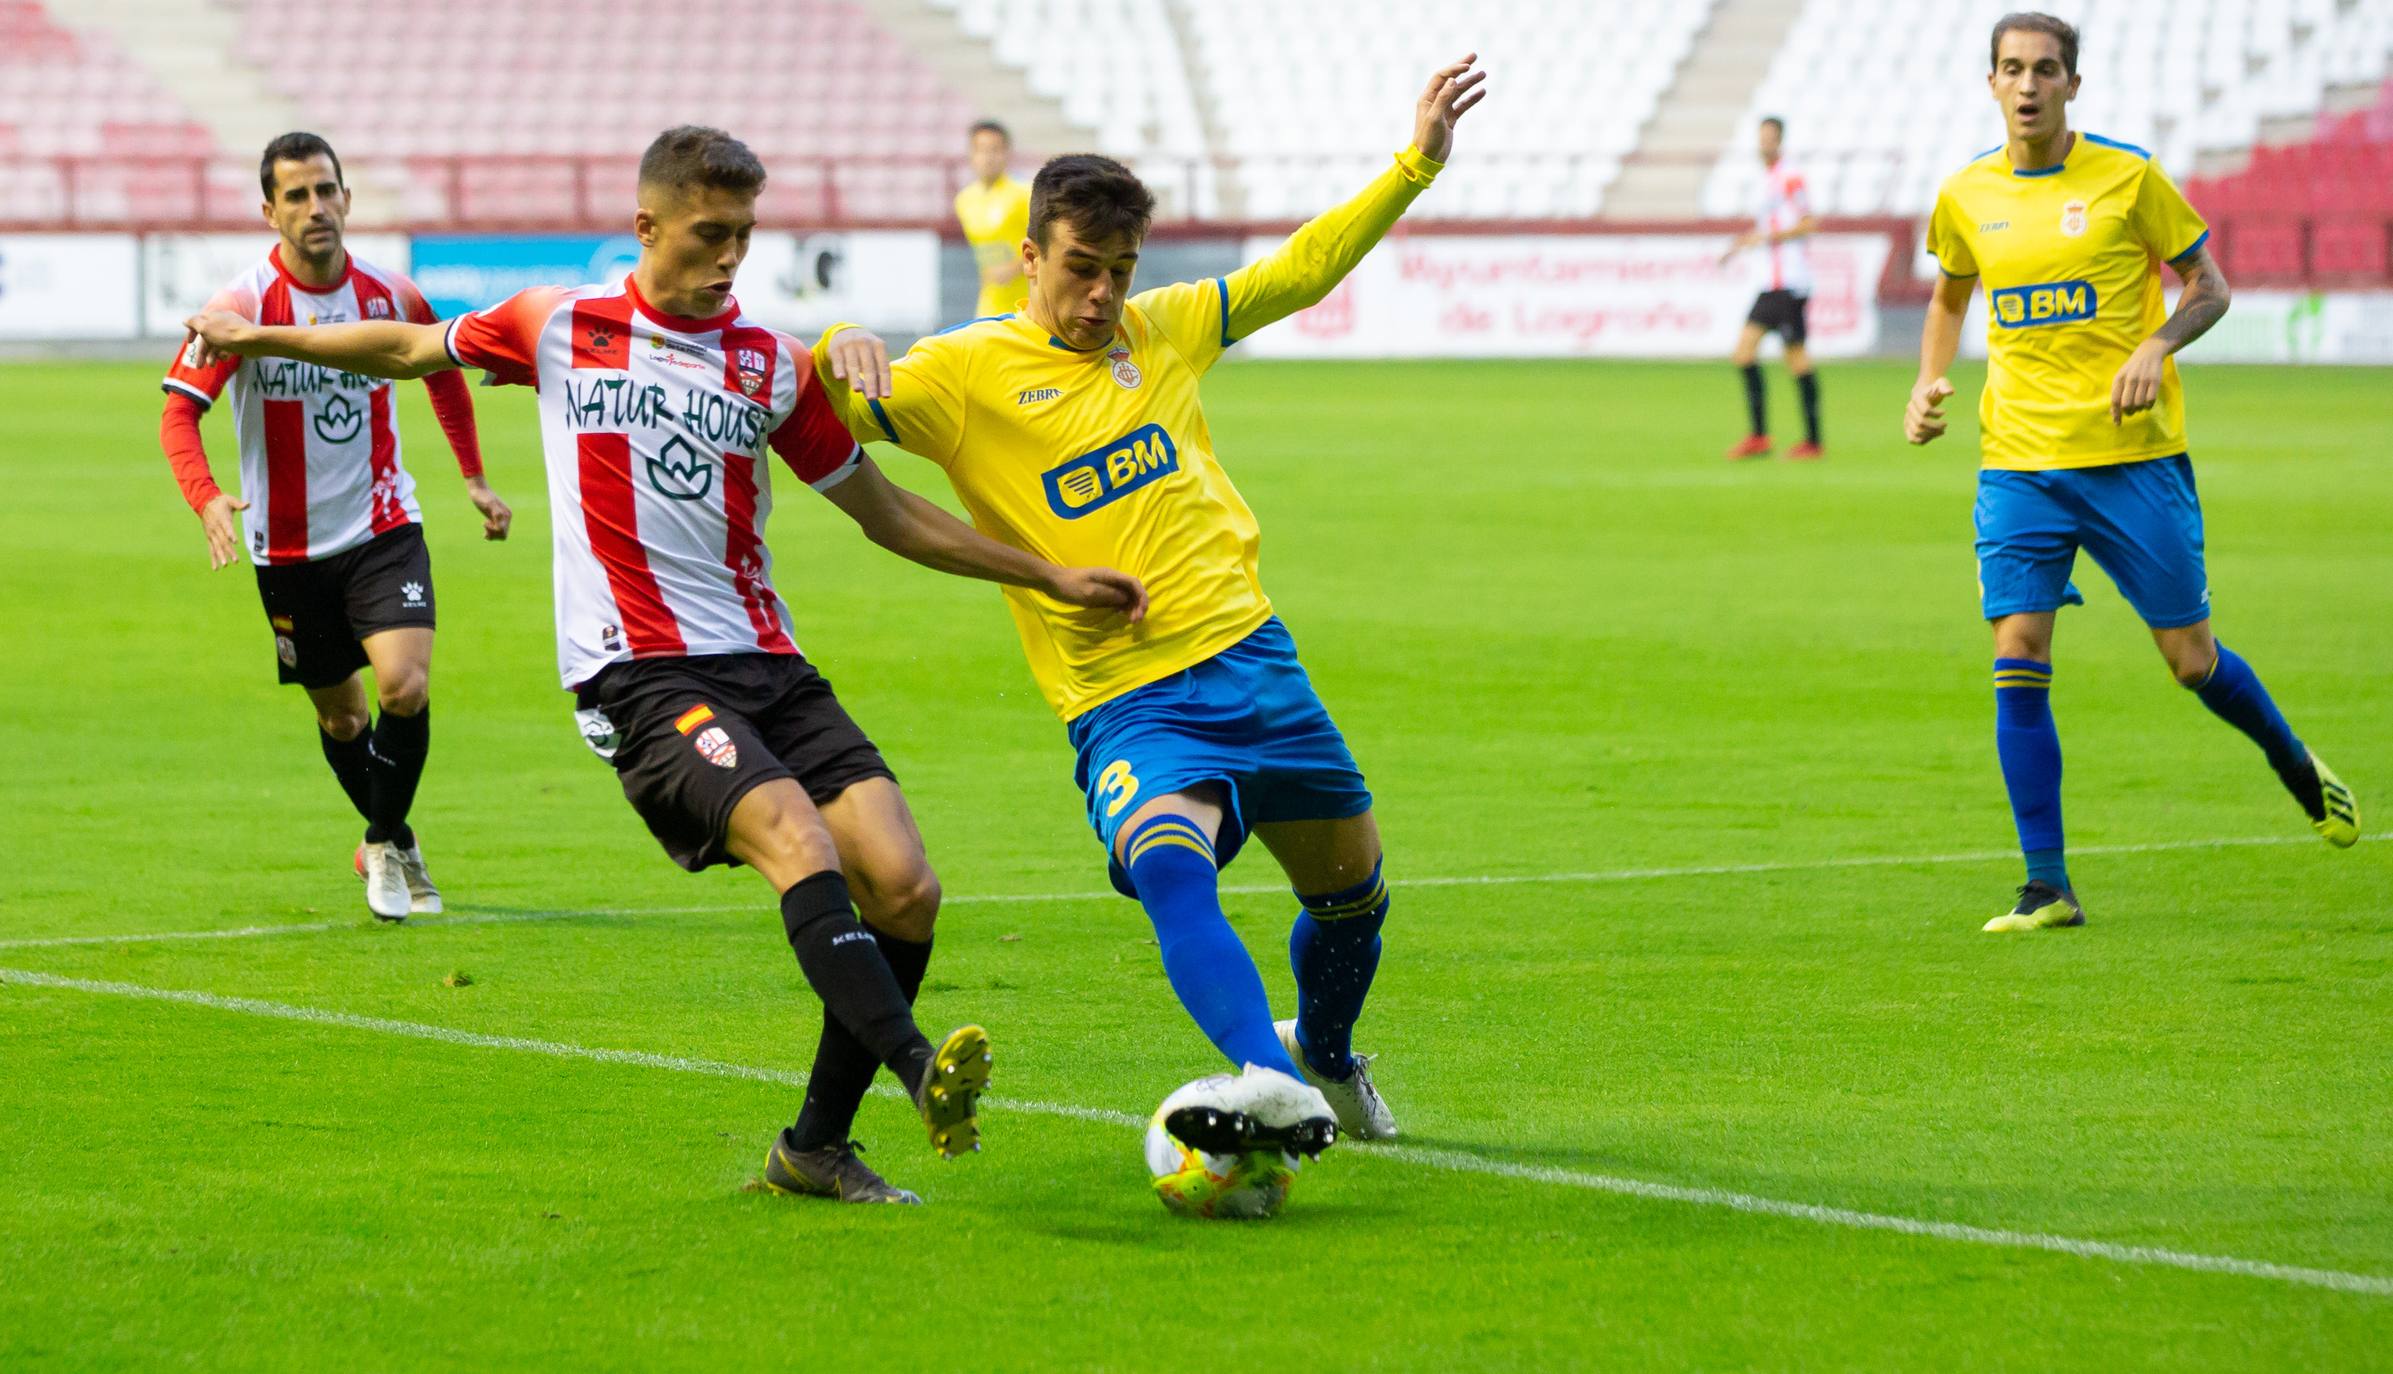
(994, 210)
(2083, 428)
(1076, 425)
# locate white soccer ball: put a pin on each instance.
(1244, 1187)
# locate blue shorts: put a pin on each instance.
(2142, 522)
(1246, 718)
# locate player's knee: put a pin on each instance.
(2191, 670)
(405, 692)
(909, 909)
(342, 725)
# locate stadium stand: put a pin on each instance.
(69, 96)
(2200, 85)
(477, 115)
(495, 112)
(1241, 84)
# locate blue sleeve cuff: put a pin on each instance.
(2190, 249)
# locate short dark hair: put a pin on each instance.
(297, 146)
(1097, 196)
(2031, 21)
(990, 126)
(693, 155)
(1776, 123)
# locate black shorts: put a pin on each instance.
(320, 610)
(1782, 313)
(689, 737)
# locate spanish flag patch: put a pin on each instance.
(693, 718)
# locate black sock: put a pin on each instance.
(843, 1067)
(1808, 385)
(845, 967)
(351, 761)
(1753, 398)
(400, 744)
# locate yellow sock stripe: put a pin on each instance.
(1378, 894)
(1172, 825)
(1150, 843)
(2020, 680)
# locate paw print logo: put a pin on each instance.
(602, 338)
(413, 592)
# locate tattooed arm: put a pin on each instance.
(2199, 306)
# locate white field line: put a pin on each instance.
(1453, 1161)
(1615, 875)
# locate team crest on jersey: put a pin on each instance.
(377, 308)
(748, 371)
(286, 650)
(2073, 219)
(716, 747)
(1124, 370)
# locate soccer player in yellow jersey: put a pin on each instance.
(994, 210)
(2083, 430)
(1076, 425)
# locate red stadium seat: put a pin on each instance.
(2352, 249)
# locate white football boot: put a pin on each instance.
(1362, 1112)
(385, 874)
(1254, 1110)
(423, 899)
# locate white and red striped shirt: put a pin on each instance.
(655, 429)
(1784, 203)
(319, 448)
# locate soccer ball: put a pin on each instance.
(1248, 1186)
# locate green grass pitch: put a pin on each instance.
(1724, 730)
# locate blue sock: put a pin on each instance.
(1170, 862)
(1335, 950)
(2234, 694)
(2030, 749)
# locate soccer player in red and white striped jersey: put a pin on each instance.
(1781, 268)
(330, 511)
(661, 408)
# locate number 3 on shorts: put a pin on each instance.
(1117, 784)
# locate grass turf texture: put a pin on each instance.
(1563, 637)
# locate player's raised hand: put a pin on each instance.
(497, 517)
(1923, 419)
(221, 334)
(1102, 589)
(2137, 387)
(860, 358)
(216, 517)
(1452, 92)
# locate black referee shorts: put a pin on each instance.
(689, 737)
(1781, 313)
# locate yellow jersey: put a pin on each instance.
(996, 218)
(2070, 256)
(1103, 458)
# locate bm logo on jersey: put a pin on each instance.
(2027, 307)
(1100, 478)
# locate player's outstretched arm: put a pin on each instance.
(2202, 304)
(916, 529)
(1939, 341)
(1300, 272)
(374, 348)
